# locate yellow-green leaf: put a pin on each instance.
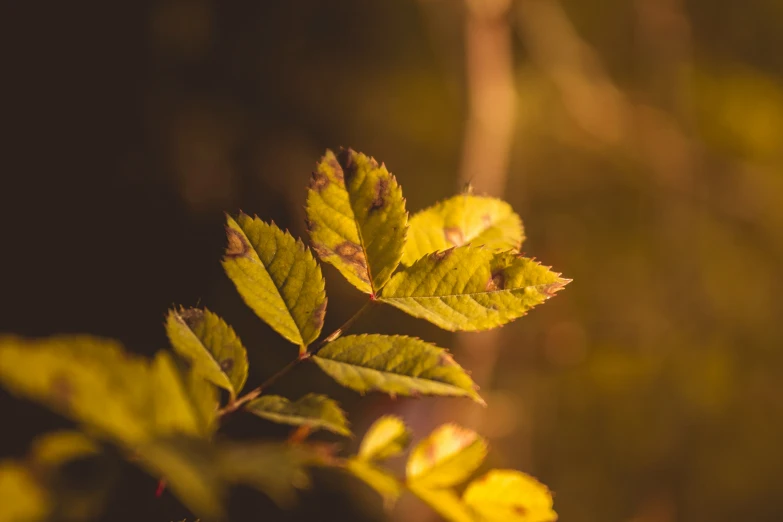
(461, 220)
(394, 364)
(93, 381)
(387, 437)
(446, 457)
(278, 278)
(313, 410)
(58, 447)
(509, 496)
(380, 480)
(22, 499)
(445, 502)
(211, 345)
(356, 217)
(471, 288)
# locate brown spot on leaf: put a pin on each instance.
(550, 289)
(446, 359)
(227, 364)
(352, 254)
(443, 254)
(61, 390)
(454, 235)
(487, 220)
(497, 281)
(310, 226)
(520, 510)
(381, 191)
(321, 250)
(237, 244)
(347, 163)
(319, 181)
(192, 317)
(318, 314)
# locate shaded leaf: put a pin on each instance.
(93, 381)
(313, 410)
(380, 480)
(445, 502)
(211, 345)
(471, 288)
(387, 437)
(509, 496)
(394, 364)
(356, 217)
(461, 220)
(446, 457)
(278, 278)
(21, 497)
(58, 447)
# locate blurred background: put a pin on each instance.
(641, 141)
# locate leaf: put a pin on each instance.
(446, 457)
(278, 278)
(394, 364)
(356, 217)
(210, 345)
(461, 220)
(21, 497)
(471, 288)
(381, 481)
(387, 437)
(445, 502)
(58, 447)
(93, 381)
(190, 471)
(313, 410)
(509, 496)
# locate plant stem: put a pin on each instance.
(254, 393)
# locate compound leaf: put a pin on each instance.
(471, 288)
(445, 502)
(211, 345)
(387, 437)
(509, 496)
(313, 410)
(356, 217)
(461, 220)
(394, 364)
(278, 278)
(380, 480)
(446, 457)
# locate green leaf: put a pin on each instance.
(314, 410)
(21, 498)
(380, 480)
(93, 381)
(509, 496)
(210, 345)
(278, 278)
(471, 288)
(445, 502)
(387, 437)
(446, 457)
(461, 220)
(396, 364)
(356, 217)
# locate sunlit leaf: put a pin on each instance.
(356, 217)
(394, 364)
(387, 437)
(461, 220)
(380, 480)
(21, 497)
(278, 278)
(210, 345)
(509, 496)
(445, 502)
(95, 382)
(313, 410)
(446, 457)
(471, 288)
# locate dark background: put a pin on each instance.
(645, 157)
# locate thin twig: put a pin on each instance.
(254, 393)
